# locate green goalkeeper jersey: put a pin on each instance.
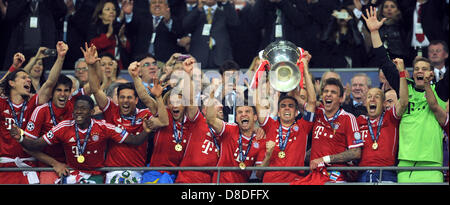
(421, 136)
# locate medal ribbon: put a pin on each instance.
(214, 137)
(130, 118)
(242, 157)
(380, 122)
(178, 138)
(283, 143)
(333, 118)
(82, 148)
(13, 112)
(52, 114)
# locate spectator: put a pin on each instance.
(379, 131)
(280, 20)
(157, 36)
(19, 104)
(341, 42)
(287, 133)
(335, 138)
(384, 84)
(32, 25)
(209, 25)
(390, 99)
(71, 28)
(393, 30)
(360, 84)
(109, 69)
(246, 37)
(105, 32)
(90, 154)
(412, 137)
(438, 55)
(424, 20)
(81, 71)
(35, 68)
(126, 115)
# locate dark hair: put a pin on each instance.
(143, 56)
(126, 86)
(436, 42)
(86, 98)
(109, 55)
(419, 58)
(336, 82)
(63, 80)
(288, 97)
(11, 76)
(99, 7)
(228, 65)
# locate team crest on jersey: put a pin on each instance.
(357, 136)
(30, 126)
(256, 145)
(336, 126)
(50, 134)
(118, 129)
(95, 137)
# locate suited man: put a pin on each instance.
(155, 33)
(209, 25)
(430, 17)
(281, 19)
(32, 25)
(360, 84)
(438, 55)
(72, 28)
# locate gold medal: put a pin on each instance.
(281, 154)
(375, 146)
(80, 159)
(178, 147)
(242, 165)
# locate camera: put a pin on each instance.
(183, 57)
(342, 15)
(50, 52)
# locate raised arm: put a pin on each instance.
(438, 111)
(402, 103)
(311, 105)
(211, 114)
(93, 63)
(389, 69)
(39, 55)
(45, 92)
(188, 66)
(133, 70)
(163, 117)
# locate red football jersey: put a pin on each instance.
(345, 136)
(164, 153)
(294, 152)
(125, 155)
(386, 153)
(229, 154)
(41, 122)
(9, 147)
(94, 152)
(201, 151)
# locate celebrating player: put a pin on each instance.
(84, 140)
(289, 134)
(379, 130)
(126, 116)
(335, 139)
(17, 107)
